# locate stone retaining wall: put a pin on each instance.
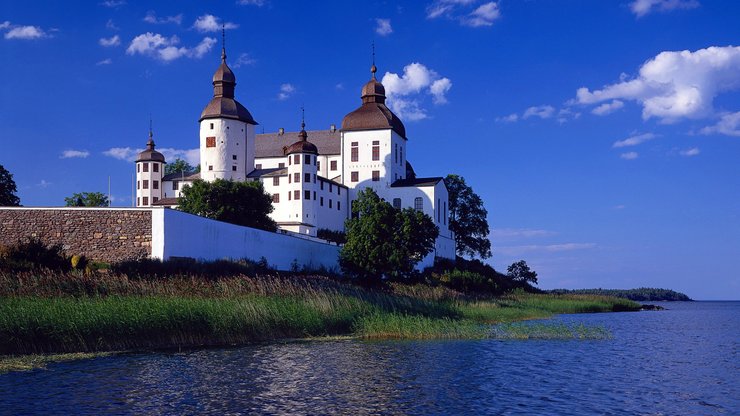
(106, 234)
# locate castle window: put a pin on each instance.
(258, 166)
(437, 208)
(314, 195)
(355, 152)
(322, 185)
(333, 165)
(318, 164)
(355, 176)
(401, 157)
(276, 181)
(233, 168)
(307, 195)
(330, 186)
(321, 201)
(154, 200)
(146, 167)
(297, 177)
(175, 185)
(307, 159)
(296, 195)
(289, 195)
(210, 167)
(146, 184)
(314, 178)
(397, 203)
(339, 191)
(138, 201)
(289, 179)
(211, 141)
(376, 175)
(276, 198)
(146, 200)
(376, 150)
(297, 159)
(155, 167)
(395, 154)
(281, 165)
(330, 202)
(418, 204)
(138, 185)
(138, 167)
(211, 126)
(444, 215)
(307, 177)
(339, 205)
(155, 184)
(233, 157)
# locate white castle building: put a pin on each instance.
(313, 176)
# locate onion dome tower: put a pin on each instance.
(373, 114)
(149, 171)
(226, 130)
(302, 170)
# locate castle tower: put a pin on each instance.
(226, 131)
(149, 172)
(301, 162)
(373, 142)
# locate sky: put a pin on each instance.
(602, 136)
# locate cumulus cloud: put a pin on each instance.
(383, 27)
(517, 233)
(608, 108)
(106, 61)
(467, 12)
(44, 184)
(23, 32)
(405, 92)
(69, 154)
(110, 25)
(166, 49)
(211, 23)
(113, 4)
(634, 140)
(694, 151)
(629, 155)
(151, 17)
(128, 154)
(728, 124)
(675, 85)
(643, 7)
(243, 60)
(549, 248)
(258, 3)
(508, 119)
(286, 90)
(541, 111)
(112, 41)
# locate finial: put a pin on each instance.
(223, 42)
(303, 134)
(150, 126)
(373, 69)
(150, 142)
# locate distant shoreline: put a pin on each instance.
(643, 294)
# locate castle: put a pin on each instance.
(313, 176)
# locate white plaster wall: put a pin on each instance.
(233, 137)
(270, 162)
(149, 176)
(365, 165)
(177, 234)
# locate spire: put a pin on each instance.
(150, 142)
(223, 42)
(373, 69)
(303, 135)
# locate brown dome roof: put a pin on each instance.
(373, 114)
(223, 104)
(150, 155)
(302, 145)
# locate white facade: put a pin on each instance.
(226, 149)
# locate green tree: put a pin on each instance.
(178, 166)
(87, 199)
(468, 219)
(519, 272)
(241, 203)
(383, 241)
(8, 189)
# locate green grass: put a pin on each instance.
(28, 362)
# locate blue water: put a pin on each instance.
(682, 361)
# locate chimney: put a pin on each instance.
(333, 128)
(281, 131)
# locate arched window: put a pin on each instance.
(397, 203)
(418, 204)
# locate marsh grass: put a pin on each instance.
(27, 362)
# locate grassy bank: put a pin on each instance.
(43, 313)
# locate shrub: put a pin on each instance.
(33, 254)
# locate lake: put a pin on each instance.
(681, 361)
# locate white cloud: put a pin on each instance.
(675, 85)
(566, 114)
(728, 124)
(694, 151)
(608, 108)
(165, 49)
(629, 155)
(484, 15)
(112, 41)
(541, 111)
(129, 154)
(68, 154)
(404, 92)
(516, 233)
(4, 25)
(113, 4)
(258, 3)
(151, 17)
(551, 248)
(24, 32)
(106, 61)
(110, 25)
(383, 27)
(643, 7)
(445, 7)
(286, 90)
(243, 60)
(508, 119)
(44, 184)
(634, 140)
(122, 153)
(211, 23)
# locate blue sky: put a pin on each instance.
(603, 136)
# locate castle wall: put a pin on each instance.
(107, 234)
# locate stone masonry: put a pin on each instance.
(106, 234)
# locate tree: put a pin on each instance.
(178, 166)
(520, 272)
(241, 203)
(383, 241)
(87, 199)
(8, 189)
(468, 219)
